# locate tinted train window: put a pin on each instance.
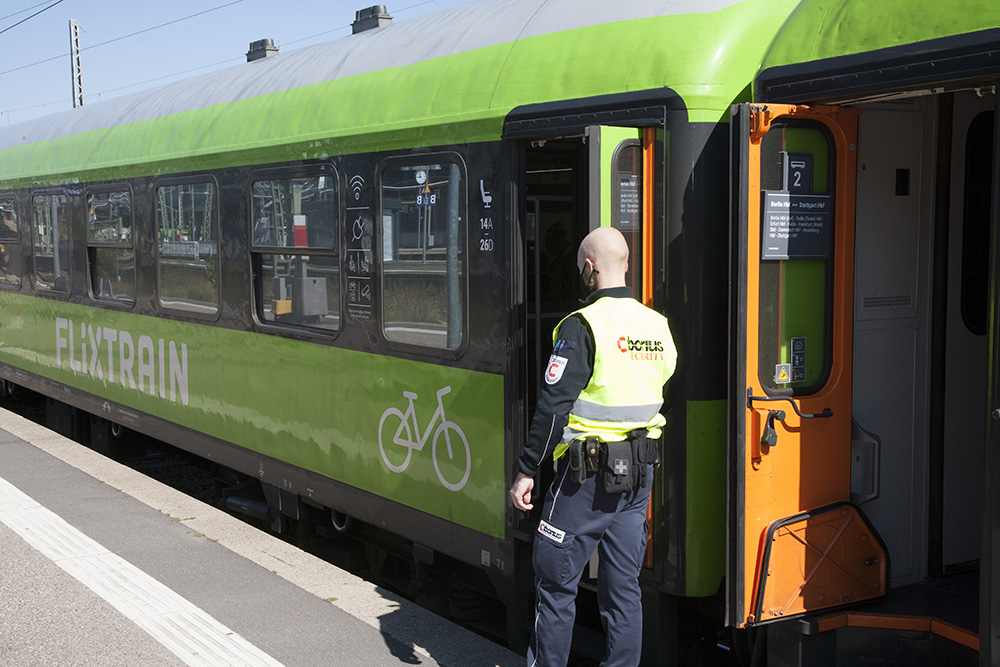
(188, 260)
(110, 251)
(423, 253)
(10, 249)
(295, 251)
(976, 224)
(51, 237)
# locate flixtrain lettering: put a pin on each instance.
(159, 368)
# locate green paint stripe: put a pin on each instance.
(820, 29)
(314, 406)
(705, 503)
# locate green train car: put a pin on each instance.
(334, 273)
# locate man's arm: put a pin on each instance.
(566, 375)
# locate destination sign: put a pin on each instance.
(796, 226)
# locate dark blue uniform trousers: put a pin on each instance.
(576, 519)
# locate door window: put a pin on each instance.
(797, 232)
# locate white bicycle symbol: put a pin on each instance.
(404, 438)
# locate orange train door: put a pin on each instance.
(796, 544)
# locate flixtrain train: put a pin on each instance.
(334, 273)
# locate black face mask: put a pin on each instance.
(588, 284)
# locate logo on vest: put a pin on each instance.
(641, 350)
(551, 532)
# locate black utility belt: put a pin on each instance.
(623, 466)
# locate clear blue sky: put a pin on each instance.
(217, 38)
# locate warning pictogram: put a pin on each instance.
(782, 373)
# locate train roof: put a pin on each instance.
(443, 78)
(849, 50)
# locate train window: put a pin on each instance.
(10, 249)
(976, 223)
(51, 238)
(626, 206)
(296, 264)
(188, 261)
(796, 286)
(110, 252)
(422, 253)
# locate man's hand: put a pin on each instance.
(520, 492)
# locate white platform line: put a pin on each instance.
(190, 633)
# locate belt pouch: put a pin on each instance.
(618, 469)
(592, 450)
(577, 466)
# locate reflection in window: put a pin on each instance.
(298, 281)
(110, 253)
(422, 298)
(10, 249)
(51, 237)
(188, 247)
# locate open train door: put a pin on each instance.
(796, 543)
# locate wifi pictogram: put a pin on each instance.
(357, 184)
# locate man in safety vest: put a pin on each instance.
(598, 417)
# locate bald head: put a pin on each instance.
(605, 250)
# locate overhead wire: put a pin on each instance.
(118, 39)
(29, 17)
(21, 11)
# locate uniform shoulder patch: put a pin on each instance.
(554, 371)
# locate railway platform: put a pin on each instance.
(100, 565)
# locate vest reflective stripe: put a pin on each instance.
(610, 413)
(634, 355)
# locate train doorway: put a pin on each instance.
(910, 275)
(556, 215)
(572, 185)
(600, 176)
(921, 309)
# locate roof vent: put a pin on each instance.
(375, 16)
(262, 48)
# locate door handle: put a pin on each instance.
(770, 436)
(827, 412)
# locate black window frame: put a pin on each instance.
(772, 170)
(91, 246)
(417, 160)
(16, 242)
(974, 287)
(41, 288)
(257, 251)
(174, 181)
(634, 232)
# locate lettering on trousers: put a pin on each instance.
(159, 368)
(551, 532)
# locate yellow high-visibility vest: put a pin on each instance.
(634, 356)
